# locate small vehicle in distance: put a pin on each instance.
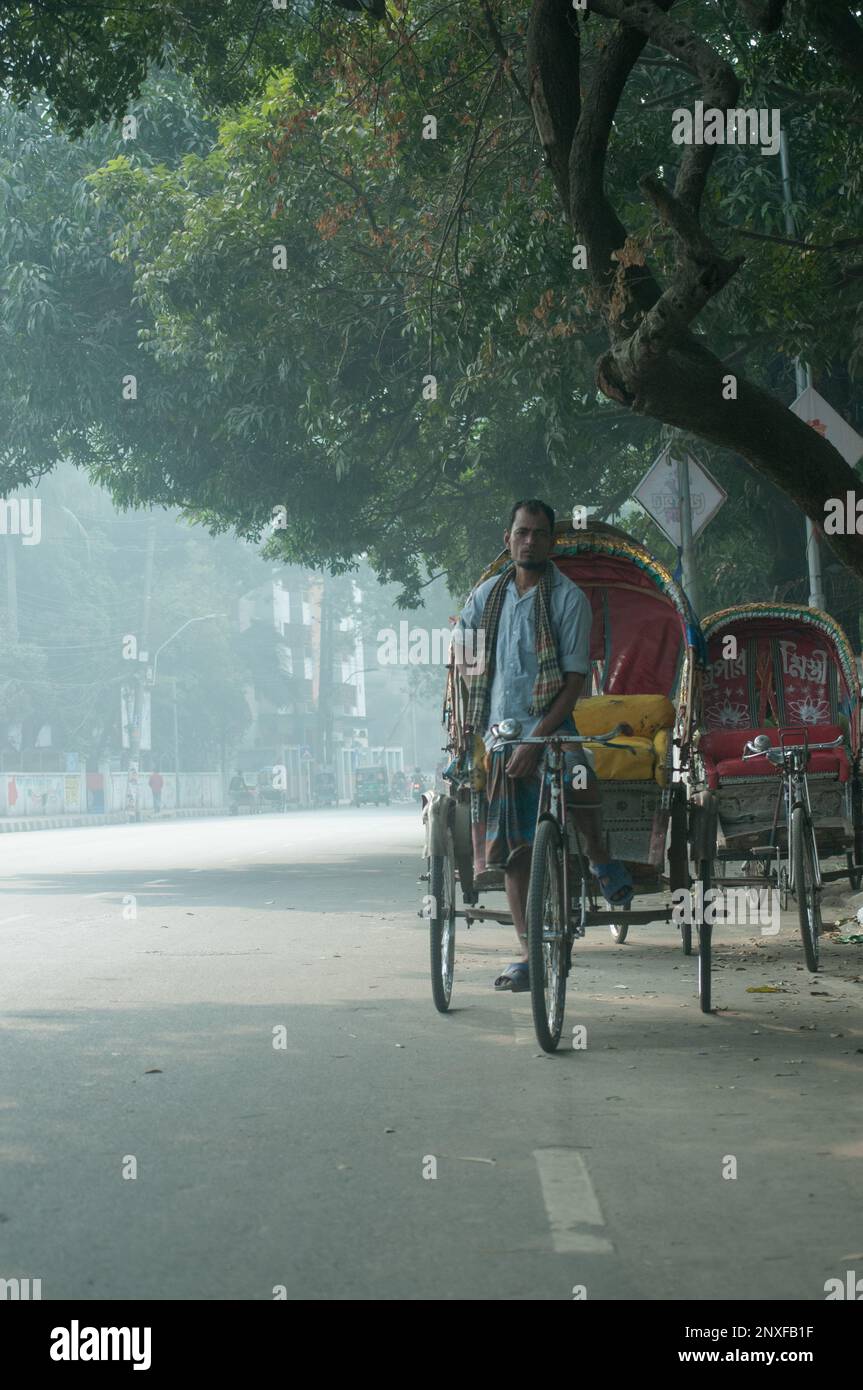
(324, 791)
(271, 796)
(241, 797)
(371, 786)
(399, 788)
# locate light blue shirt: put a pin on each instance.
(516, 666)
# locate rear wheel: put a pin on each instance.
(546, 935)
(705, 930)
(442, 924)
(678, 858)
(783, 887)
(806, 890)
(855, 865)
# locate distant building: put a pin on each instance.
(312, 714)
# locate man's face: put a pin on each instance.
(529, 539)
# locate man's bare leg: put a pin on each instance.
(588, 818)
(517, 877)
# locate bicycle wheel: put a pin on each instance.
(442, 925)
(805, 889)
(705, 929)
(705, 960)
(546, 935)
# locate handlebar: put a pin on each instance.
(545, 739)
(777, 753)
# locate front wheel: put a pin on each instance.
(547, 935)
(442, 925)
(618, 931)
(806, 889)
(705, 960)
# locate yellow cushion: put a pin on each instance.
(661, 740)
(618, 765)
(646, 713)
(478, 765)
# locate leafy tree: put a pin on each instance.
(453, 257)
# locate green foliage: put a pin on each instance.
(303, 388)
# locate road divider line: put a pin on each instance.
(571, 1205)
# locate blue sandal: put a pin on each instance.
(615, 882)
(515, 979)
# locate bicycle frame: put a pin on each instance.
(553, 806)
(791, 760)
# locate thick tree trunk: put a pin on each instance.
(656, 365)
(686, 389)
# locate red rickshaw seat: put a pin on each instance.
(722, 752)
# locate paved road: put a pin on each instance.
(149, 970)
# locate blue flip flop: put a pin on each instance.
(615, 882)
(515, 979)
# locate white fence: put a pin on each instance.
(58, 793)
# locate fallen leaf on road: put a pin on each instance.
(765, 989)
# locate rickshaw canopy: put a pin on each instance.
(789, 667)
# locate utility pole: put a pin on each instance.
(687, 553)
(132, 791)
(803, 379)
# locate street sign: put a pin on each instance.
(659, 495)
(812, 407)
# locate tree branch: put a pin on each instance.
(502, 52)
(553, 81)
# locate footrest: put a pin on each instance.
(489, 880)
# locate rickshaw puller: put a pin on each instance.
(531, 628)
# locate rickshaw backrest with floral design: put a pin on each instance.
(791, 667)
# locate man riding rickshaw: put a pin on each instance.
(530, 628)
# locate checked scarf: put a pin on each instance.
(549, 678)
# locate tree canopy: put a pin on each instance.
(390, 335)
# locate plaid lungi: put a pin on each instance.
(513, 803)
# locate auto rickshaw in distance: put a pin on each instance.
(371, 786)
(324, 790)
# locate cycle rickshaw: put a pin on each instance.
(636, 721)
(776, 767)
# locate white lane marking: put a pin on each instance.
(571, 1203)
(20, 918)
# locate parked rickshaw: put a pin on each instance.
(371, 785)
(272, 793)
(636, 720)
(777, 766)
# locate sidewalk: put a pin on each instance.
(8, 824)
